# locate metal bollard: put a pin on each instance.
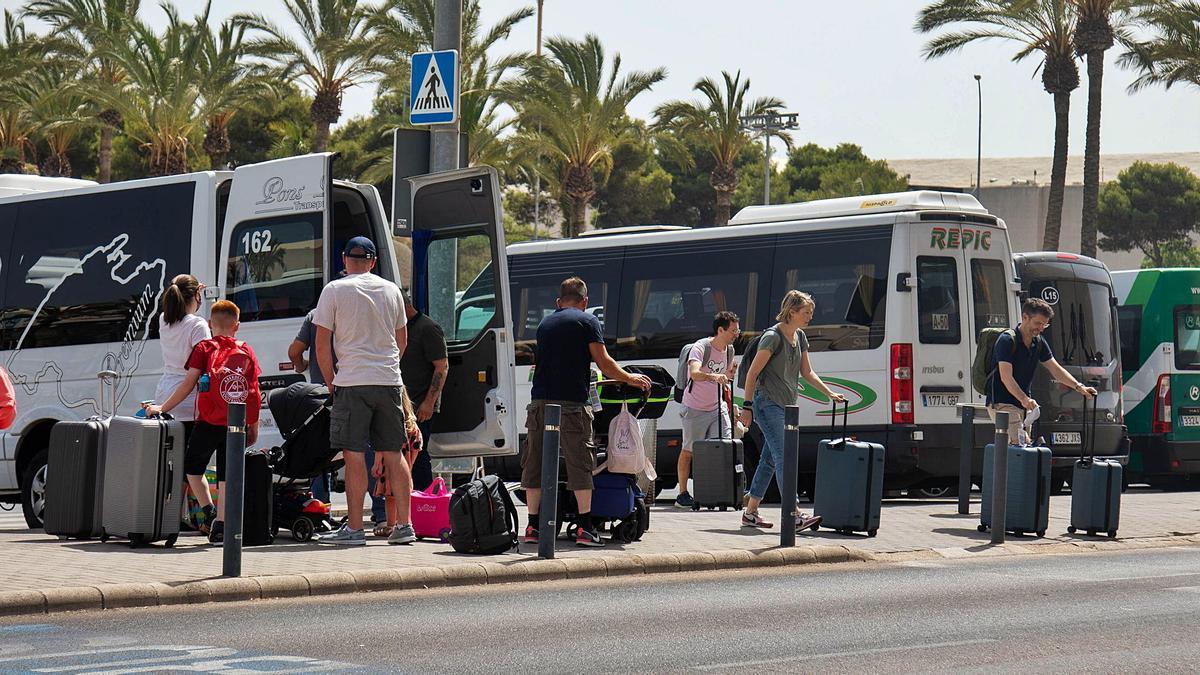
(999, 477)
(548, 516)
(965, 451)
(791, 466)
(235, 478)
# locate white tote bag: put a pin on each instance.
(625, 451)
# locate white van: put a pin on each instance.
(903, 284)
(83, 267)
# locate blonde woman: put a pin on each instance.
(382, 487)
(778, 365)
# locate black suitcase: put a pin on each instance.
(1095, 487)
(718, 474)
(258, 501)
(75, 472)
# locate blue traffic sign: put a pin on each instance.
(433, 94)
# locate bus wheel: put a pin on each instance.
(33, 490)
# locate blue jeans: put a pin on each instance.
(769, 417)
(320, 486)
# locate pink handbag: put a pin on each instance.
(431, 511)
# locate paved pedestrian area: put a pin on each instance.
(32, 560)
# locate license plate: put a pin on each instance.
(939, 400)
(1189, 420)
(1067, 438)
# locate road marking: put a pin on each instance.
(192, 654)
(1189, 589)
(855, 652)
(1149, 576)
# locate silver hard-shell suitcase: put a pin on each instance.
(143, 480)
(849, 481)
(1095, 488)
(75, 470)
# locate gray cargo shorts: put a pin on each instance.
(368, 417)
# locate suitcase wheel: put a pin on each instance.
(1071, 529)
(1041, 533)
(1091, 533)
(815, 528)
(444, 534)
(872, 533)
(1112, 534)
(170, 543)
(981, 528)
(695, 507)
(724, 509)
(135, 541)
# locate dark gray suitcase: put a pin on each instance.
(1095, 488)
(75, 471)
(718, 474)
(143, 480)
(1027, 510)
(849, 481)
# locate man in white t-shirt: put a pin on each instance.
(361, 318)
(705, 415)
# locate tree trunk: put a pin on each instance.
(1058, 171)
(724, 199)
(320, 136)
(106, 141)
(11, 165)
(578, 220)
(1091, 154)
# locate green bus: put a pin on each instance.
(1159, 316)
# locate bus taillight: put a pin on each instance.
(1162, 406)
(902, 384)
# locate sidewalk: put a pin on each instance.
(34, 561)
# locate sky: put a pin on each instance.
(851, 69)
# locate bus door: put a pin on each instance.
(457, 234)
(992, 291)
(274, 258)
(940, 353)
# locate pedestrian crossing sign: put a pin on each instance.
(433, 94)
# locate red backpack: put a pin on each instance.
(233, 378)
(8, 401)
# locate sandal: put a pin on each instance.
(382, 530)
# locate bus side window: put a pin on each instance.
(937, 301)
(1129, 319)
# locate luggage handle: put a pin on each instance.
(833, 440)
(170, 480)
(107, 378)
(438, 488)
(1087, 441)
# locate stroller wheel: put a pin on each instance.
(302, 529)
(445, 535)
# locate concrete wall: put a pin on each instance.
(1023, 209)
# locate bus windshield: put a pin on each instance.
(1081, 333)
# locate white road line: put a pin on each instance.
(1141, 578)
(192, 655)
(854, 652)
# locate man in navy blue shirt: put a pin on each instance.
(567, 342)
(1015, 361)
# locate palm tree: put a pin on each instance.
(1094, 35)
(406, 26)
(95, 28)
(1044, 27)
(1172, 55)
(572, 110)
(227, 81)
(160, 97)
(19, 52)
(333, 54)
(716, 122)
(58, 109)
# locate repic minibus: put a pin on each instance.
(83, 268)
(903, 284)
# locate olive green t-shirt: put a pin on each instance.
(781, 375)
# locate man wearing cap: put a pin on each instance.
(425, 365)
(361, 317)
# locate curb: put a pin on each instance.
(114, 596)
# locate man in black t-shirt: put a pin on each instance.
(425, 365)
(567, 342)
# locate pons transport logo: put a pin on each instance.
(859, 395)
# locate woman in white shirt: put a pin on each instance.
(179, 330)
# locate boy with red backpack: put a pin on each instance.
(227, 372)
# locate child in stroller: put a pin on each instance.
(301, 410)
(618, 505)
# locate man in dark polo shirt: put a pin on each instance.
(1014, 362)
(567, 342)
(425, 366)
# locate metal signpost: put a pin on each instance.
(235, 479)
(548, 516)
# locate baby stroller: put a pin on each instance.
(618, 505)
(302, 412)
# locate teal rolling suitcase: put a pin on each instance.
(1027, 510)
(849, 481)
(1095, 488)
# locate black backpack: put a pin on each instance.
(748, 357)
(482, 517)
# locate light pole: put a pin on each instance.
(979, 136)
(768, 125)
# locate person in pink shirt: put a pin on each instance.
(711, 366)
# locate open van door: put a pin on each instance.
(458, 242)
(274, 260)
